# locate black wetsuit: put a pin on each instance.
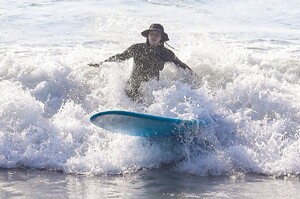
(147, 62)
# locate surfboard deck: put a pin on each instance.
(144, 125)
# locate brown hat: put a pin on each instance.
(156, 27)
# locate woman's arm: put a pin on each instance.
(128, 53)
(179, 63)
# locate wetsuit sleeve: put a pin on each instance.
(179, 63)
(128, 53)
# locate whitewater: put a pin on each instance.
(246, 56)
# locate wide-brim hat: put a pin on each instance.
(156, 27)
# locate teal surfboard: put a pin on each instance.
(144, 125)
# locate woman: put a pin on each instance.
(148, 58)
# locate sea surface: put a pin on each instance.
(246, 56)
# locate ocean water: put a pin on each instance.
(246, 55)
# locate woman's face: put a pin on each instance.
(154, 38)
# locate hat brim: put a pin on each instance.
(164, 35)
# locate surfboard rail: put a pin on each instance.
(141, 124)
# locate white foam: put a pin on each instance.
(247, 86)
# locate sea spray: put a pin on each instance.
(246, 86)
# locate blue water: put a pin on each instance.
(246, 56)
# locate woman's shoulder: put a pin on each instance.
(168, 52)
(138, 46)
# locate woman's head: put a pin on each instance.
(154, 38)
(155, 35)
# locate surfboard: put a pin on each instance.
(144, 125)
